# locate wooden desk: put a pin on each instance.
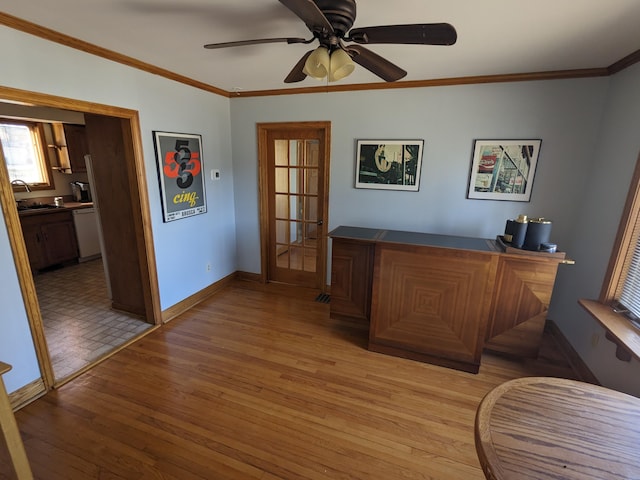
(550, 428)
(441, 298)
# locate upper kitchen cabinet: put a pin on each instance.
(70, 144)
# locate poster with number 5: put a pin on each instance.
(180, 169)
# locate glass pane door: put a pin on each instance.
(296, 204)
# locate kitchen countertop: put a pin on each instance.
(50, 208)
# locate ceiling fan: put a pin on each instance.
(330, 22)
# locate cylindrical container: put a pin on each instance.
(538, 232)
(58, 202)
(508, 230)
(519, 231)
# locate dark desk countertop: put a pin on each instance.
(414, 238)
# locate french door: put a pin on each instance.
(294, 183)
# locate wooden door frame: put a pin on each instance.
(140, 206)
(263, 192)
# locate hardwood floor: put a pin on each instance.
(259, 383)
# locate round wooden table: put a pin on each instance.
(541, 428)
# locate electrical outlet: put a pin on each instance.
(208, 267)
(595, 338)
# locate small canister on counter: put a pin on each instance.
(508, 230)
(58, 201)
(538, 232)
(519, 231)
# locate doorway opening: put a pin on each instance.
(80, 325)
(113, 134)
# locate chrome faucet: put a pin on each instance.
(21, 182)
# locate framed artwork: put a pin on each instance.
(503, 169)
(389, 164)
(181, 174)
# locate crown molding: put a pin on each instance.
(57, 37)
(625, 62)
(512, 77)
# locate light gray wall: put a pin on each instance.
(601, 205)
(589, 148)
(16, 344)
(564, 114)
(184, 247)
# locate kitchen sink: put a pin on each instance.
(23, 208)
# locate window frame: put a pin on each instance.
(37, 129)
(619, 328)
(627, 237)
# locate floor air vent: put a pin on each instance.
(323, 298)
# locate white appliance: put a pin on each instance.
(87, 233)
(96, 207)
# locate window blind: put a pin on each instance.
(630, 295)
(628, 291)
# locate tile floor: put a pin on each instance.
(79, 324)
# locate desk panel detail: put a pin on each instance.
(438, 298)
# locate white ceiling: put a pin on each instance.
(494, 36)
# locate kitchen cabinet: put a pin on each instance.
(71, 145)
(441, 299)
(77, 147)
(50, 238)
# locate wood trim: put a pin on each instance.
(577, 364)
(198, 297)
(249, 277)
(26, 97)
(263, 192)
(27, 394)
(325, 209)
(620, 328)
(625, 62)
(142, 218)
(142, 215)
(263, 130)
(622, 352)
(442, 82)
(62, 39)
(23, 270)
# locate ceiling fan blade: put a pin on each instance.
(375, 63)
(310, 14)
(242, 43)
(416, 34)
(296, 74)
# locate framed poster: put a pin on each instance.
(180, 170)
(503, 169)
(389, 164)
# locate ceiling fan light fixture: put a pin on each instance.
(340, 65)
(317, 65)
